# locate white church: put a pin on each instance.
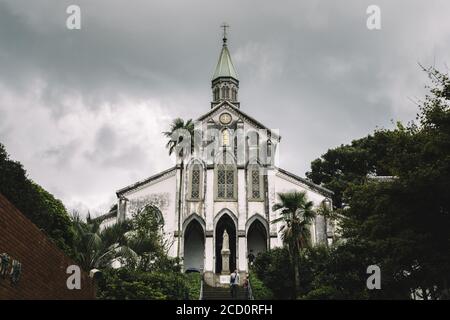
(229, 181)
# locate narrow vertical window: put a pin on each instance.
(234, 95)
(195, 187)
(225, 138)
(256, 186)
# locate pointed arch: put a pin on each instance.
(225, 220)
(192, 217)
(257, 232)
(193, 242)
(195, 178)
(151, 208)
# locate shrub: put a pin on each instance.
(259, 289)
(123, 284)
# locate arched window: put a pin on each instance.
(216, 94)
(225, 138)
(226, 184)
(195, 181)
(269, 148)
(223, 92)
(234, 94)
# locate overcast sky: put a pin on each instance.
(83, 110)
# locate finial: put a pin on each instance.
(224, 26)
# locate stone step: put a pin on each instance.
(220, 293)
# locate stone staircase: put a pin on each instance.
(221, 293)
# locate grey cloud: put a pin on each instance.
(308, 68)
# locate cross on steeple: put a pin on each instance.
(224, 26)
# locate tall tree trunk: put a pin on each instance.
(180, 188)
(294, 255)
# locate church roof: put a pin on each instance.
(322, 190)
(144, 182)
(225, 67)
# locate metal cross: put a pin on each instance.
(224, 26)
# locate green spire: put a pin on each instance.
(225, 67)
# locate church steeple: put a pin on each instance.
(225, 82)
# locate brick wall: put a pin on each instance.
(43, 263)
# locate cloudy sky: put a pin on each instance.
(83, 110)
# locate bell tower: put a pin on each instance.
(225, 82)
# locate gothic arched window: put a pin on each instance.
(226, 183)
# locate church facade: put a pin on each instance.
(226, 181)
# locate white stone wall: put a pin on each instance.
(162, 191)
(284, 183)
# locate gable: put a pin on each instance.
(242, 116)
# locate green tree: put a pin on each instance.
(403, 221)
(275, 269)
(296, 213)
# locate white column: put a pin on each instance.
(242, 200)
(209, 254)
(209, 200)
(242, 254)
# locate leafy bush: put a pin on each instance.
(123, 284)
(193, 283)
(275, 270)
(259, 289)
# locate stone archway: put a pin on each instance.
(225, 223)
(194, 246)
(256, 238)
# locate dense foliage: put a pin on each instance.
(259, 290)
(137, 246)
(126, 284)
(276, 270)
(403, 224)
(400, 223)
(38, 205)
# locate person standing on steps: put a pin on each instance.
(234, 282)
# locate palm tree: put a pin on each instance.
(97, 247)
(175, 136)
(296, 213)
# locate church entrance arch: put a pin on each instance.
(225, 223)
(256, 238)
(194, 246)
